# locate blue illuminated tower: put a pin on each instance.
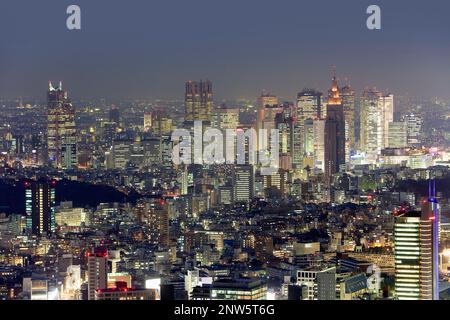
(432, 213)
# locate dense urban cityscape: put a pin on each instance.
(94, 207)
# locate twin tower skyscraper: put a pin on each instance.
(61, 129)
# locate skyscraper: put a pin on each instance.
(377, 111)
(159, 222)
(198, 101)
(97, 265)
(243, 183)
(61, 129)
(309, 104)
(40, 207)
(334, 132)
(414, 128)
(416, 254)
(348, 103)
(398, 135)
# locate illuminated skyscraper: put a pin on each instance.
(319, 144)
(159, 222)
(243, 183)
(398, 135)
(61, 129)
(334, 132)
(309, 104)
(40, 207)
(414, 128)
(147, 122)
(97, 265)
(198, 101)
(226, 119)
(377, 111)
(348, 103)
(416, 253)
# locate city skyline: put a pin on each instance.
(290, 165)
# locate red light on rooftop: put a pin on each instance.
(432, 218)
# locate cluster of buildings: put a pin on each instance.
(333, 220)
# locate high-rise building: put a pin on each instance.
(319, 144)
(348, 103)
(398, 135)
(61, 129)
(160, 222)
(226, 118)
(198, 101)
(334, 132)
(121, 153)
(309, 104)
(243, 183)
(147, 122)
(97, 268)
(377, 111)
(414, 127)
(416, 256)
(40, 207)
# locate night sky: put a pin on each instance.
(149, 48)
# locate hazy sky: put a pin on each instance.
(149, 48)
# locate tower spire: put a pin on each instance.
(334, 96)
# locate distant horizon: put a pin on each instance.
(147, 50)
(218, 97)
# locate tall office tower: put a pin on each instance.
(227, 118)
(309, 104)
(377, 111)
(431, 215)
(147, 121)
(416, 259)
(159, 222)
(398, 135)
(243, 182)
(348, 103)
(122, 149)
(414, 128)
(61, 129)
(184, 180)
(114, 116)
(308, 137)
(387, 116)
(198, 101)
(97, 268)
(265, 101)
(161, 123)
(40, 207)
(319, 144)
(334, 132)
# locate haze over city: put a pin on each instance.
(148, 49)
